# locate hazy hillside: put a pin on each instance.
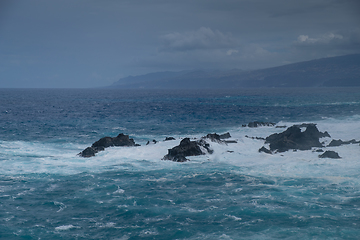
(325, 72)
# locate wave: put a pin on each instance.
(20, 157)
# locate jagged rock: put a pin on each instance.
(265, 150)
(153, 141)
(336, 143)
(89, 152)
(214, 137)
(225, 136)
(258, 124)
(105, 142)
(169, 139)
(187, 148)
(294, 138)
(319, 150)
(280, 127)
(330, 154)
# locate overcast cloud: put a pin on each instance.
(88, 43)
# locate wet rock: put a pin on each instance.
(89, 152)
(257, 138)
(169, 139)
(260, 124)
(294, 138)
(105, 142)
(187, 148)
(225, 136)
(265, 150)
(153, 141)
(330, 154)
(336, 143)
(214, 137)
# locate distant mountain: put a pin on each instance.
(343, 71)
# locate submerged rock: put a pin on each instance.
(294, 138)
(257, 138)
(259, 124)
(105, 142)
(330, 154)
(153, 141)
(187, 148)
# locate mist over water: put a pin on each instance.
(49, 192)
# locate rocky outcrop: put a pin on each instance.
(336, 143)
(330, 154)
(294, 138)
(187, 148)
(120, 141)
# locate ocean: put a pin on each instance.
(47, 191)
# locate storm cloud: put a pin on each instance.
(203, 38)
(94, 43)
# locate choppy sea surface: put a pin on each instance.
(48, 192)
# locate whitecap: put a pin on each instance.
(65, 227)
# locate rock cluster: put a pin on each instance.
(294, 138)
(187, 148)
(297, 137)
(336, 143)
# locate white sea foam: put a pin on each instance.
(65, 227)
(36, 157)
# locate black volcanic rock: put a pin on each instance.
(225, 136)
(214, 137)
(169, 139)
(265, 150)
(294, 138)
(153, 141)
(257, 138)
(187, 148)
(105, 142)
(336, 143)
(330, 154)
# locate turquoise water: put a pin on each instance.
(48, 192)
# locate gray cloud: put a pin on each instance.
(89, 43)
(203, 38)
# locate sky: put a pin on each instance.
(88, 43)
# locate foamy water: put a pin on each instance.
(47, 191)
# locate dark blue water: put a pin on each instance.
(48, 192)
